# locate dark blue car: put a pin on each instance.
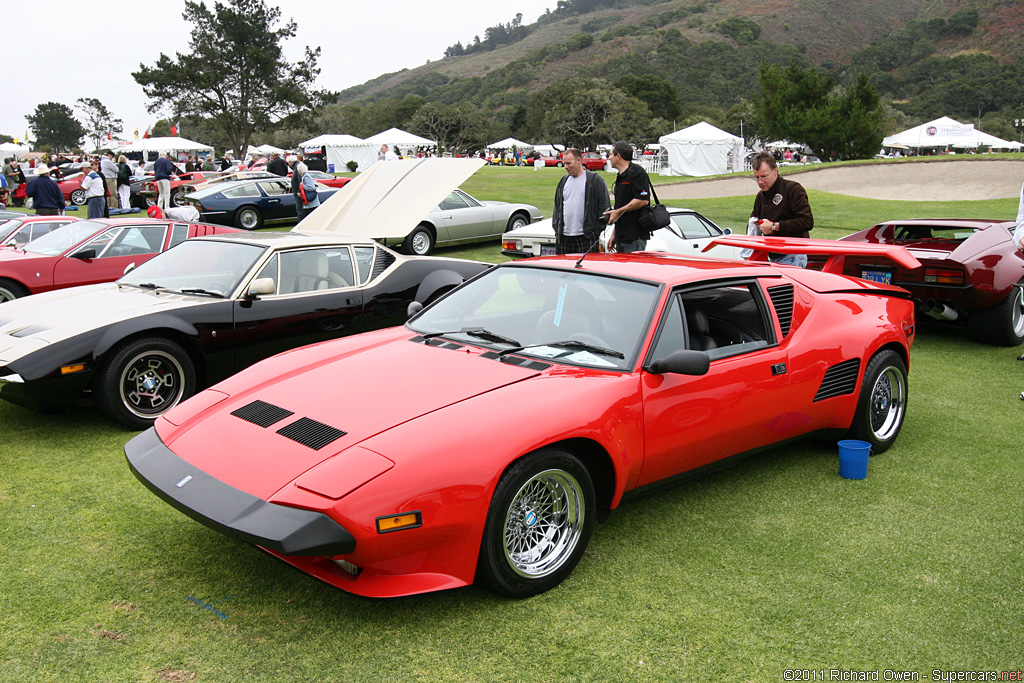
(249, 204)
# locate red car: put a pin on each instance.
(972, 274)
(328, 179)
(483, 440)
(593, 161)
(87, 252)
(17, 232)
(149, 190)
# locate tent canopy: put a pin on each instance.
(396, 138)
(340, 149)
(947, 132)
(11, 148)
(166, 144)
(509, 143)
(701, 150)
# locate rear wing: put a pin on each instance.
(834, 249)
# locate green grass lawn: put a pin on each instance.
(774, 564)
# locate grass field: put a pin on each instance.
(774, 564)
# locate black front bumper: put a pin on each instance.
(234, 513)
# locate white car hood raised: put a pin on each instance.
(390, 198)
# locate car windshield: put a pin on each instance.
(204, 267)
(572, 317)
(8, 227)
(62, 239)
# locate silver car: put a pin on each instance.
(461, 218)
(688, 234)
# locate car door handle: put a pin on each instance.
(447, 218)
(778, 369)
(273, 201)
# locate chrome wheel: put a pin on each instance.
(178, 198)
(543, 524)
(517, 221)
(1017, 311)
(9, 291)
(78, 197)
(151, 383)
(249, 219)
(888, 403)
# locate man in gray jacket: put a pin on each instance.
(580, 200)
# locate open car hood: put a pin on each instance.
(390, 198)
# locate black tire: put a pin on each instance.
(1002, 324)
(882, 405)
(538, 525)
(419, 242)
(178, 198)
(143, 379)
(11, 290)
(78, 197)
(518, 220)
(249, 218)
(559, 164)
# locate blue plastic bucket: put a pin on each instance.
(853, 459)
(330, 168)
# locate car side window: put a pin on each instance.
(179, 233)
(100, 241)
(364, 260)
(137, 240)
(726, 320)
(313, 270)
(672, 336)
(249, 190)
(272, 270)
(691, 227)
(453, 202)
(275, 188)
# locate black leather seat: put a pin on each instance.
(699, 330)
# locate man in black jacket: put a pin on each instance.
(581, 199)
(277, 165)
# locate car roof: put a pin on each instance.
(285, 240)
(671, 269)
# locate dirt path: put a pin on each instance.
(926, 182)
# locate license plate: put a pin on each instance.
(547, 250)
(882, 276)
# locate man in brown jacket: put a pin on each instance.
(780, 207)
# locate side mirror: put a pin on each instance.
(682, 362)
(727, 231)
(263, 286)
(84, 255)
(414, 308)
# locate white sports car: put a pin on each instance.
(688, 233)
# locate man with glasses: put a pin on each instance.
(781, 208)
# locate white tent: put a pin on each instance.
(942, 132)
(400, 141)
(11, 148)
(702, 150)
(174, 145)
(341, 149)
(264, 150)
(509, 143)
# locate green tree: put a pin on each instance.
(235, 73)
(596, 113)
(658, 94)
(99, 122)
(55, 127)
(802, 105)
(456, 127)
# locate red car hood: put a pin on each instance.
(362, 393)
(13, 255)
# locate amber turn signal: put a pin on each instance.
(406, 520)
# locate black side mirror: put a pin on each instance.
(682, 362)
(85, 254)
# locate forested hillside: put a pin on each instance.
(649, 66)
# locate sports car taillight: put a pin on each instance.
(944, 276)
(512, 245)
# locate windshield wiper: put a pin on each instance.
(572, 344)
(199, 290)
(143, 285)
(479, 333)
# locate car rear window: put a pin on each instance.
(914, 233)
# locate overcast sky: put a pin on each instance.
(358, 41)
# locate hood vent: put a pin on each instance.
(527, 363)
(310, 433)
(782, 298)
(261, 413)
(839, 380)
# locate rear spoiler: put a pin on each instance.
(834, 249)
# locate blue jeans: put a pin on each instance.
(96, 206)
(799, 260)
(630, 247)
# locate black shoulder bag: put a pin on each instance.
(654, 216)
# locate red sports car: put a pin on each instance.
(149, 190)
(483, 440)
(87, 252)
(972, 274)
(17, 232)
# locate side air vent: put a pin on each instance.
(839, 380)
(782, 298)
(382, 262)
(310, 433)
(262, 413)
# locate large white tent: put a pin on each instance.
(945, 132)
(509, 143)
(11, 148)
(340, 149)
(400, 141)
(701, 150)
(162, 145)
